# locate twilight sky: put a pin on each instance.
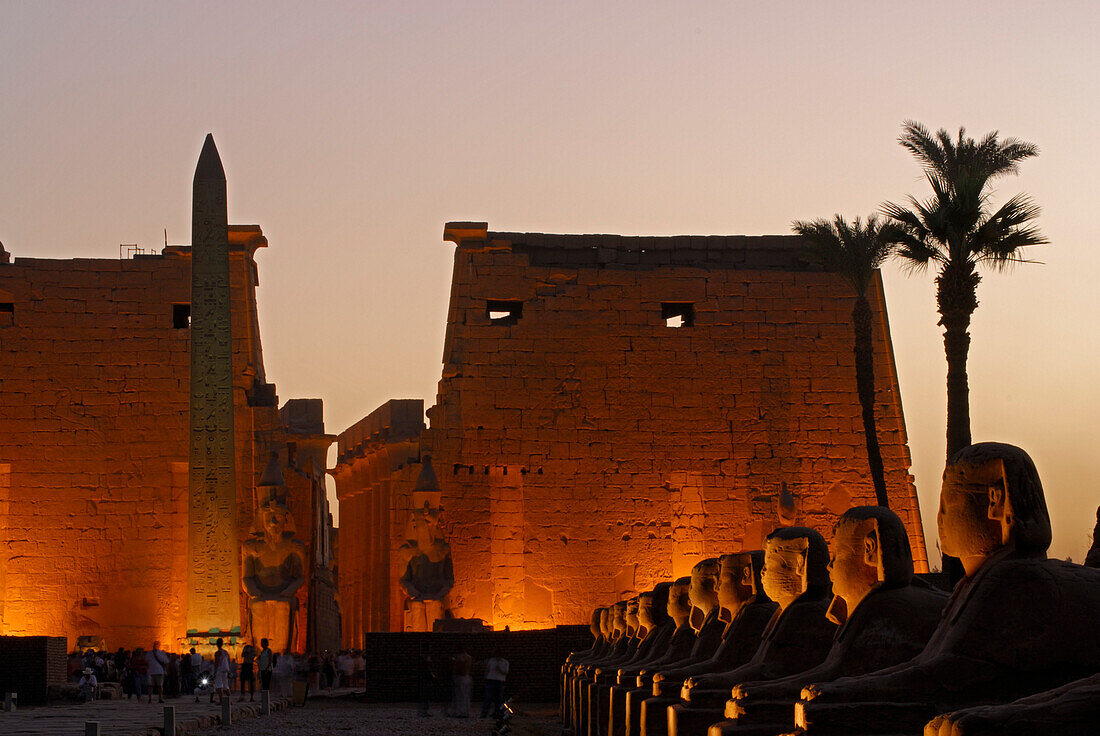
(352, 131)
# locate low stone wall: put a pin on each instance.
(534, 660)
(31, 664)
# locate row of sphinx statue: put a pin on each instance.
(792, 640)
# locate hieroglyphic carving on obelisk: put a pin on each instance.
(213, 576)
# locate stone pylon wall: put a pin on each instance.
(93, 441)
(586, 450)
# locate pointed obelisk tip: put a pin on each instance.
(210, 163)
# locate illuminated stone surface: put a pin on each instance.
(586, 449)
(213, 599)
(94, 404)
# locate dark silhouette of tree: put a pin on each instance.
(957, 230)
(854, 251)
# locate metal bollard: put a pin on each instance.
(169, 720)
(10, 701)
(227, 711)
(91, 728)
(265, 702)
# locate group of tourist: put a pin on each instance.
(457, 672)
(793, 639)
(144, 673)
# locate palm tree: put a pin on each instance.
(854, 251)
(957, 230)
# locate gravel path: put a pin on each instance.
(323, 717)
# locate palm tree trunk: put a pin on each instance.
(865, 386)
(956, 346)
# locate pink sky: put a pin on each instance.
(352, 131)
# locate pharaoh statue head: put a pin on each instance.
(703, 592)
(796, 559)
(870, 548)
(733, 590)
(992, 499)
(679, 602)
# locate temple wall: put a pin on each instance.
(94, 377)
(586, 449)
(378, 459)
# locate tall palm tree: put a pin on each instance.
(854, 251)
(957, 230)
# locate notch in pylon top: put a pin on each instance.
(210, 163)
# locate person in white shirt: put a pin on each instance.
(496, 672)
(158, 660)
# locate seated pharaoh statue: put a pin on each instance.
(273, 567)
(1070, 710)
(1018, 624)
(799, 634)
(653, 635)
(884, 617)
(630, 691)
(746, 609)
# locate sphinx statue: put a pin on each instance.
(884, 618)
(1016, 625)
(429, 572)
(273, 566)
(620, 643)
(626, 697)
(574, 665)
(797, 637)
(707, 621)
(595, 628)
(652, 635)
(1070, 710)
(746, 611)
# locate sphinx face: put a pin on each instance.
(701, 592)
(732, 591)
(852, 574)
(784, 575)
(965, 529)
(632, 616)
(679, 605)
(645, 612)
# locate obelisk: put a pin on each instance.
(213, 574)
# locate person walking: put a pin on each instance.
(266, 664)
(496, 672)
(221, 673)
(158, 661)
(88, 685)
(248, 676)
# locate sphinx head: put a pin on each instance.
(796, 559)
(658, 604)
(870, 548)
(991, 499)
(594, 624)
(679, 604)
(632, 616)
(703, 592)
(618, 622)
(607, 616)
(733, 591)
